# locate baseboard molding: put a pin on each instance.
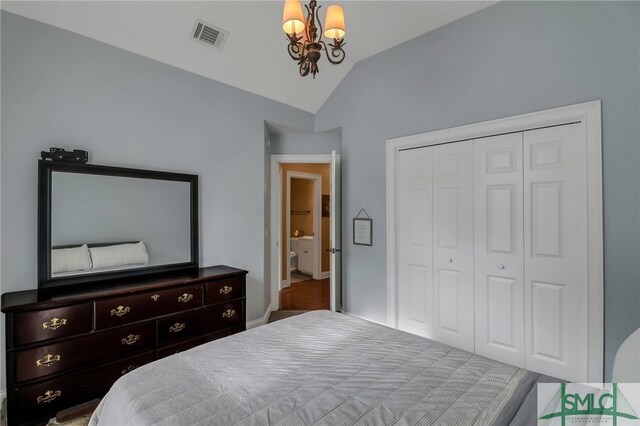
(366, 319)
(260, 321)
(325, 275)
(284, 284)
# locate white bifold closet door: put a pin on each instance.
(555, 245)
(453, 244)
(435, 243)
(498, 250)
(415, 243)
(492, 247)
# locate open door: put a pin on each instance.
(335, 235)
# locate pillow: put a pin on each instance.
(70, 259)
(119, 255)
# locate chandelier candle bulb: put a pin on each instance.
(334, 23)
(292, 18)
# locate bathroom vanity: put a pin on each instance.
(305, 248)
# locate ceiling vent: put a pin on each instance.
(210, 34)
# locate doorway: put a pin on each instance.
(305, 250)
(305, 237)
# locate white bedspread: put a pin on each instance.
(319, 368)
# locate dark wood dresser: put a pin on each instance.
(69, 347)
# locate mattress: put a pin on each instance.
(319, 368)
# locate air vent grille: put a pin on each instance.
(210, 34)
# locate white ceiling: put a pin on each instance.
(254, 57)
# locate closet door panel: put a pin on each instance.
(555, 219)
(453, 244)
(415, 242)
(498, 248)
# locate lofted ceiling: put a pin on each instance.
(254, 57)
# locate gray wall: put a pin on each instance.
(298, 142)
(61, 89)
(509, 59)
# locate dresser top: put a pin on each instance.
(47, 298)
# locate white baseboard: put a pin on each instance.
(324, 275)
(260, 321)
(284, 284)
(366, 319)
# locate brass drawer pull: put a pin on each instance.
(228, 313)
(226, 289)
(54, 324)
(49, 396)
(155, 297)
(185, 297)
(177, 327)
(129, 369)
(48, 360)
(120, 311)
(130, 339)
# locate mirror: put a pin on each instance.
(99, 223)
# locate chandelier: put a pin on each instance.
(305, 43)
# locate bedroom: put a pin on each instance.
(73, 77)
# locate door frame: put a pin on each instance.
(317, 229)
(276, 214)
(589, 113)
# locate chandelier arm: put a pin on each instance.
(307, 22)
(294, 47)
(319, 23)
(304, 68)
(337, 54)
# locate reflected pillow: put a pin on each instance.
(70, 259)
(119, 255)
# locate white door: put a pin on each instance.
(414, 242)
(453, 244)
(498, 248)
(335, 235)
(555, 239)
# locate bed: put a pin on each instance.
(321, 368)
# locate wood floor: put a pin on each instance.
(306, 295)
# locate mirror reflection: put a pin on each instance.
(110, 223)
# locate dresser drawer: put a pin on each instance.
(102, 378)
(123, 310)
(223, 290)
(200, 321)
(36, 326)
(48, 397)
(50, 359)
(175, 348)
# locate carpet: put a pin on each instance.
(78, 421)
(278, 315)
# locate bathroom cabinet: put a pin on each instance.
(307, 256)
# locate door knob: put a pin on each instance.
(501, 267)
(449, 260)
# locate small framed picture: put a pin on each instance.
(363, 232)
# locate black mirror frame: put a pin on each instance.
(45, 169)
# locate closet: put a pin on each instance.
(492, 247)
